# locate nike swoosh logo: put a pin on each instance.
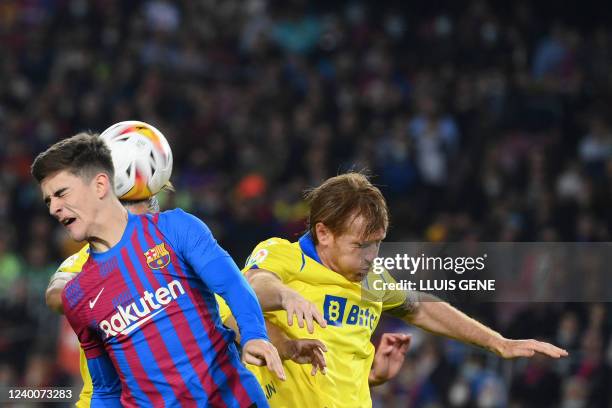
(92, 303)
(141, 322)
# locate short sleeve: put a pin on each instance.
(277, 256)
(74, 263)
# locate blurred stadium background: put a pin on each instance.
(480, 120)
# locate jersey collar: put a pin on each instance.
(308, 247)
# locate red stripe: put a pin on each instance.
(138, 372)
(188, 341)
(127, 398)
(219, 343)
(153, 336)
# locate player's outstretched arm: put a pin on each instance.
(438, 317)
(273, 294)
(389, 357)
(53, 294)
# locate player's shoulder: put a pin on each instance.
(177, 218)
(74, 263)
(275, 246)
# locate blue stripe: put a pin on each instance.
(141, 346)
(303, 262)
(196, 326)
(139, 396)
(170, 336)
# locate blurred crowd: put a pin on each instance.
(478, 120)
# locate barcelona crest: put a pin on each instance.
(158, 256)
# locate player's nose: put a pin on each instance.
(54, 208)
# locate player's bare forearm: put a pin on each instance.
(441, 318)
(438, 317)
(273, 294)
(268, 288)
(53, 294)
(279, 339)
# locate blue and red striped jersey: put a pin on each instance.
(148, 303)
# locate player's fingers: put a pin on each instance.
(548, 349)
(319, 344)
(319, 318)
(274, 363)
(309, 323)
(300, 318)
(403, 348)
(252, 359)
(319, 360)
(386, 348)
(290, 315)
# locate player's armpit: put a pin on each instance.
(53, 294)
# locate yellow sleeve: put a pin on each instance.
(74, 263)
(272, 255)
(277, 256)
(390, 299)
(87, 391)
(224, 310)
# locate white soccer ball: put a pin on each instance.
(142, 158)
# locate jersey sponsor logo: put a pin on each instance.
(157, 257)
(335, 309)
(92, 303)
(135, 314)
(257, 257)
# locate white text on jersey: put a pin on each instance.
(132, 316)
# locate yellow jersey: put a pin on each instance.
(352, 313)
(74, 264)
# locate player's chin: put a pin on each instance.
(74, 233)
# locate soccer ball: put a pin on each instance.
(142, 158)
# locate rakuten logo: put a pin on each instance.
(134, 315)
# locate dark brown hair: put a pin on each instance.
(83, 155)
(340, 199)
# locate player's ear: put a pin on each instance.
(102, 185)
(324, 235)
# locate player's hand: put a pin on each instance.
(261, 353)
(389, 357)
(507, 348)
(305, 351)
(303, 310)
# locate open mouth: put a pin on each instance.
(67, 221)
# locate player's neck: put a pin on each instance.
(326, 258)
(108, 227)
